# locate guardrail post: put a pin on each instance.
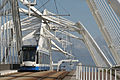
(115, 75)
(92, 73)
(106, 74)
(102, 74)
(81, 72)
(86, 73)
(95, 74)
(76, 72)
(89, 73)
(98, 74)
(110, 74)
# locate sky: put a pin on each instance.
(78, 10)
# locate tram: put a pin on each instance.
(31, 60)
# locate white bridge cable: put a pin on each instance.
(114, 5)
(93, 48)
(112, 29)
(117, 22)
(61, 50)
(117, 28)
(114, 26)
(105, 18)
(108, 52)
(8, 53)
(107, 23)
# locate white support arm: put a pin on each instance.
(22, 10)
(54, 37)
(103, 29)
(71, 35)
(66, 61)
(66, 53)
(90, 44)
(39, 14)
(29, 36)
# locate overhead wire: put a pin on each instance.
(64, 8)
(56, 6)
(43, 5)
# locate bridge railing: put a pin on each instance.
(84, 72)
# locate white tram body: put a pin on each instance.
(33, 60)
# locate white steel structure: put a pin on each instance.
(108, 23)
(115, 4)
(9, 27)
(44, 29)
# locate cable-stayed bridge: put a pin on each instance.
(51, 32)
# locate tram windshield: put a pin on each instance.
(29, 53)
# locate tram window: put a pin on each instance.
(28, 55)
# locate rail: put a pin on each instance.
(42, 75)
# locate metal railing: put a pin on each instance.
(108, 23)
(84, 72)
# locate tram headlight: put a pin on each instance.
(23, 64)
(33, 65)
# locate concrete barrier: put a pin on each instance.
(9, 66)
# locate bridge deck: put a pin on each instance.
(42, 75)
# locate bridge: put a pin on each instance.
(51, 32)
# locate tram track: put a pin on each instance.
(14, 75)
(43, 75)
(57, 76)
